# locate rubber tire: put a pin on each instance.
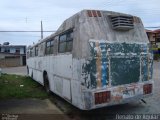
(46, 83)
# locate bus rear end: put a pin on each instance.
(119, 71)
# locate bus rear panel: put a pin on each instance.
(119, 67)
(119, 73)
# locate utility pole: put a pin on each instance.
(41, 30)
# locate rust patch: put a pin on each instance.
(117, 98)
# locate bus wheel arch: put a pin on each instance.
(27, 70)
(46, 82)
(32, 74)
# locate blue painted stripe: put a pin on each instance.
(103, 64)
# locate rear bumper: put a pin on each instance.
(118, 95)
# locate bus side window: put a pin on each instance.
(36, 51)
(28, 54)
(69, 42)
(55, 48)
(62, 43)
(41, 49)
(31, 52)
(49, 47)
(65, 42)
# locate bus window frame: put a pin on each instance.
(36, 50)
(31, 52)
(49, 47)
(66, 42)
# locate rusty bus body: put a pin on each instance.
(95, 59)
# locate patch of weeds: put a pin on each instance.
(15, 86)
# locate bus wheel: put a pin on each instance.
(46, 83)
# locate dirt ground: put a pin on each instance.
(28, 106)
(30, 109)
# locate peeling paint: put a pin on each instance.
(117, 64)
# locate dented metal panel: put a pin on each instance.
(124, 70)
(117, 63)
(66, 89)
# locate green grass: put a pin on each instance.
(11, 87)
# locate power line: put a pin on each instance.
(45, 31)
(25, 31)
(53, 30)
(153, 27)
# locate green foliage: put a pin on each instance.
(154, 49)
(14, 86)
(156, 56)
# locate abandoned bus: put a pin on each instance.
(95, 59)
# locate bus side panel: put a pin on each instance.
(66, 93)
(62, 65)
(77, 94)
(77, 69)
(30, 72)
(51, 82)
(34, 74)
(30, 66)
(60, 75)
(45, 65)
(58, 85)
(39, 70)
(61, 87)
(35, 69)
(78, 82)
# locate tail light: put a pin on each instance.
(94, 13)
(102, 97)
(89, 13)
(147, 89)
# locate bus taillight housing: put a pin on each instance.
(102, 97)
(147, 89)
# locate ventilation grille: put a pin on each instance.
(122, 22)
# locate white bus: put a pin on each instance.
(95, 59)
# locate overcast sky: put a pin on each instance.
(27, 14)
